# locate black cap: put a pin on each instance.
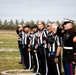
(27, 26)
(35, 26)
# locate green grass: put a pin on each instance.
(9, 60)
(8, 41)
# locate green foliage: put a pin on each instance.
(13, 25)
(27, 23)
(31, 23)
(5, 23)
(22, 22)
(16, 22)
(0, 23)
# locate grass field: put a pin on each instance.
(9, 53)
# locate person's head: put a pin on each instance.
(26, 28)
(41, 25)
(20, 28)
(34, 28)
(68, 25)
(49, 26)
(54, 27)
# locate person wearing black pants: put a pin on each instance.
(19, 32)
(42, 33)
(34, 48)
(26, 57)
(25, 43)
(54, 47)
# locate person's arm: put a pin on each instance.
(57, 54)
(17, 31)
(58, 50)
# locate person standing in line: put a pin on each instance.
(69, 48)
(19, 32)
(34, 47)
(42, 33)
(54, 47)
(25, 43)
(48, 40)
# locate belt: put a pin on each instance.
(68, 47)
(32, 46)
(52, 53)
(39, 44)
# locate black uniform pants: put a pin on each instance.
(21, 51)
(69, 68)
(52, 66)
(26, 56)
(41, 56)
(34, 61)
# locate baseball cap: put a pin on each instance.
(34, 26)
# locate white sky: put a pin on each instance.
(37, 10)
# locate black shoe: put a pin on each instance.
(37, 73)
(20, 62)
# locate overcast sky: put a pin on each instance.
(37, 10)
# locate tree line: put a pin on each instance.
(11, 25)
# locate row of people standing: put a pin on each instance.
(42, 45)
